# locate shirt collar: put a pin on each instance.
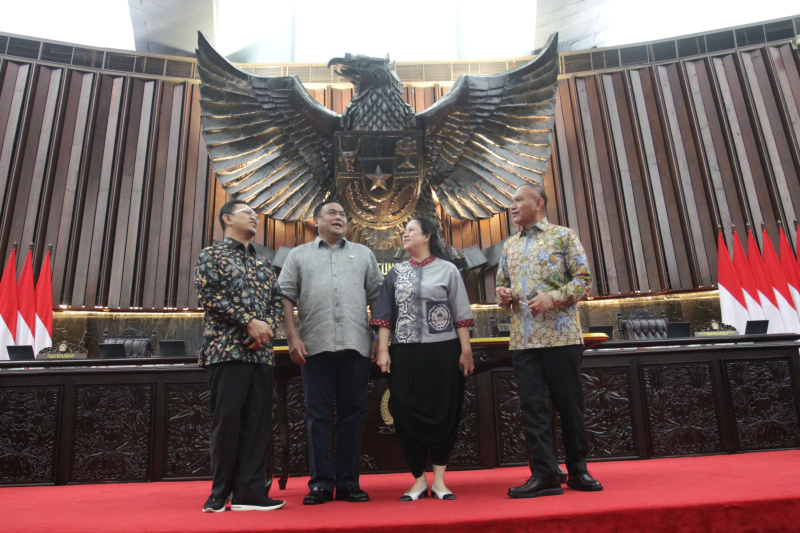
(233, 244)
(542, 225)
(319, 242)
(427, 261)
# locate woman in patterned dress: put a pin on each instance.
(424, 308)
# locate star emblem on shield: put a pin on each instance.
(378, 179)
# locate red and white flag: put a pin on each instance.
(765, 292)
(26, 304)
(791, 269)
(732, 303)
(8, 305)
(44, 307)
(791, 322)
(742, 268)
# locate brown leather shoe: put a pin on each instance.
(533, 488)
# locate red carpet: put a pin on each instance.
(726, 493)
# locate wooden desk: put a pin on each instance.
(109, 420)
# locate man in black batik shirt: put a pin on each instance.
(243, 307)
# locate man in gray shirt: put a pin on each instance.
(331, 281)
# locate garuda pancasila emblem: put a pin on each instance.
(277, 149)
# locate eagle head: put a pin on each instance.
(365, 71)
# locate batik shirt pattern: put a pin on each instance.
(234, 286)
(423, 302)
(550, 259)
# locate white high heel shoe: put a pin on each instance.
(414, 496)
(443, 495)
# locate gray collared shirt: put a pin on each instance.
(331, 288)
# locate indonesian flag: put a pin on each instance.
(8, 305)
(44, 307)
(26, 304)
(748, 283)
(791, 322)
(791, 269)
(765, 292)
(731, 296)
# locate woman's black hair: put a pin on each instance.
(431, 228)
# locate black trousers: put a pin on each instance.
(559, 369)
(241, 421)
(427, 396)
(335, 381)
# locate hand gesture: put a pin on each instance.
(541, 302)
(503, 296)
(465, 363)
(260, 333)
(297, 350)
(384, 361)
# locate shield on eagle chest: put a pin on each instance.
(378, 175)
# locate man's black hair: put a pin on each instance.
(318, 209)
(228, 209)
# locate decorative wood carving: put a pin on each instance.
(682, 417)
(188, 429)
(298, 441)
(467, 448)
(510, 435)
(763, 404)
(608, 412)
(28, 424)
(112, 433)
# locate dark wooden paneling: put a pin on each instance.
(73, 130)
(95, 198)
(646, 162)
(633, 194)
(33, 177)
(698, 227)
(602, 186)
(150, 422)
(15, 89)
(659, 170)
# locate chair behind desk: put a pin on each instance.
(136, 343)
(642, 325)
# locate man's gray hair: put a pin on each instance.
(539, 190)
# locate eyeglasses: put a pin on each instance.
(247, 211)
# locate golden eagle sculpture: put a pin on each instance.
(277, 149)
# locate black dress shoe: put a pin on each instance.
(584, 482)
(317, 496)
(353, 493)
(534, 488)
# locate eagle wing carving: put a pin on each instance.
(270, 142)
(490, 135)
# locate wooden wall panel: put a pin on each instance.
(61, 213)
(660, 171)
(748, 152)
(776, 137)
(716, 146)
(95, 200)
(34, 173)
(15, 92)
(126, 229)
(602, 186)
(646, 162)
(568, 163)
(688, 180)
